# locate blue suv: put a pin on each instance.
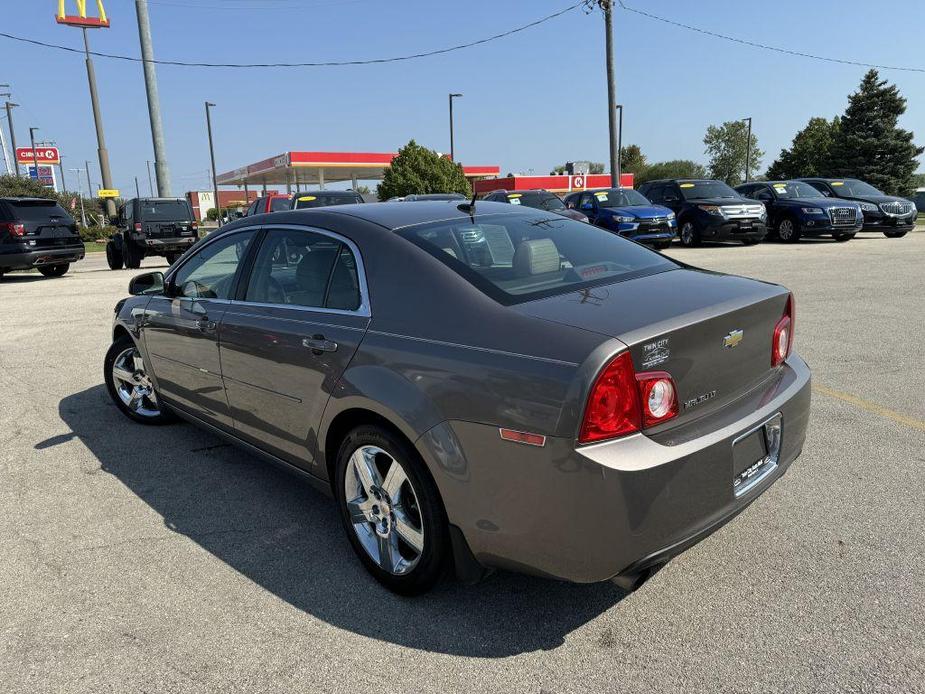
(626, 212)
(797, 209)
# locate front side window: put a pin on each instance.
(209, 273)
(304, 268)
(519, 257)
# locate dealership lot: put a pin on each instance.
(162, 559)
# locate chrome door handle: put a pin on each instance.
(318, 344)
(205, 325)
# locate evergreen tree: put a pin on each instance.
(810, 152)
(870, 145)
(632, 160)
(418, 170)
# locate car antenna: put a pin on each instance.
(468, 206)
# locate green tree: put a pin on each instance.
(869, 144)
(632, 160)
(418, 170)
(726, 147)
(810, 152)
(676, 168)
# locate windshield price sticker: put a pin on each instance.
(307, 198)
(601, 196)
(687, 185)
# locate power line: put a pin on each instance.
(755, 44)
(327, 63)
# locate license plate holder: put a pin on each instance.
(745, 226)
(755, 454)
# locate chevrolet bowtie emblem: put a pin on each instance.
(733, 339)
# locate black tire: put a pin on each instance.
(174, 257)
(841, 238)
(163, 414)
(2, 272)
(750, 242)
(894, 234)
(54, 270)
(688, 234)
(662, 245)
(428, 510)
(114, 257)
(788, 230)
(132, 255)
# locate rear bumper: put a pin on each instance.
(179, 243)
(610, 509)
(23, 260)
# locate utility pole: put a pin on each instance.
(607, 7)
(89, 185)
(452, 150)
(154, 103)
(80, 195)
(61, 169)
(35, 159)
(748, 148)
(150, 183)
(109, 205)
(9, 120)
(218, 207)
(137, 192)
(6, 161)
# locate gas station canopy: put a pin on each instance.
(318, 168)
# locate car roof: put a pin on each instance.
(384, 214)
(27, 199)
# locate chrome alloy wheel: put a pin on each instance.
(133, 385)
(687, 233)
(785, 230)
(384, 510)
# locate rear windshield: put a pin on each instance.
(38, 210)
(323, 200)
(165, 210)
(539, 201)
(519, 257)
(695, 190)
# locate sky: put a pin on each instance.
(531, 101)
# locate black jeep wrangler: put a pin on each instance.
(151, 226)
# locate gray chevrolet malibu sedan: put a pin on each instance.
(478, 386)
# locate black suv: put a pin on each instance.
(708, 210)
(151, 226)
(37, 233)
(537, 199)
(893, 216)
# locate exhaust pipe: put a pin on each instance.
(633, 580)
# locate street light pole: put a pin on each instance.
(218, 208)
(98, 122)
(748, 148)
(61, 169)
(9, 120)
(150, 182)
(620, 147)
(35, 159)
(89, 185)
(452, 149)
(154, 103)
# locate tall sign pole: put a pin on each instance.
(82, 21)
(218, 207)
(154, 102)
(9, 120)
(607, 7)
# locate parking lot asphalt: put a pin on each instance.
(163, 560)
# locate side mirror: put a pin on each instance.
(764, 197)
(827, 193)
(670, 197)
(147, 283)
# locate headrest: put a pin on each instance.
(536, 257)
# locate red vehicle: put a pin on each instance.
(269, 203)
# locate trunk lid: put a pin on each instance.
(711, 332)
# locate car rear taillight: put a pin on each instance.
(658, 396)
(14, 228)
(782, 341)
(194, 226)
(622, 402)
(137, 226)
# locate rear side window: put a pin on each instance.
(303, 268)
(38, 210)
(517, 258)
(279, 204)
(323, 200)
